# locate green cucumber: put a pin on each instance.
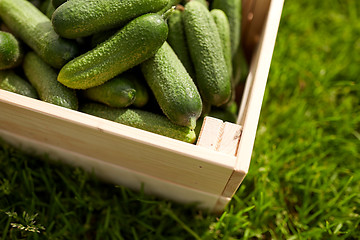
(203, 2)
(141, 119)
(31, 26)
(82, 18)
(10, 81)
(117, 92)
(232, 9)
(204, 43)
(142, 95)
(177, 41)
(10, 51)
(43, 78)
(223, 28)
(173, 87)
(134, 43)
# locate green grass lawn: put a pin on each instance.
(304, 179)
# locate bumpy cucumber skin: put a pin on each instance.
(232, 9)
(173, 87)
(10, 51)
(204, 43)
(30, 25)
(117, 92)
(141, 119)
(137, 41)
(223, 27)
(177, 41)
(10, 81)
(43, 78)
(82, 18)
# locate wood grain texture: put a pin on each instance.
(210, 133)
(219, 136)
(131, 148)
(116, 174)
(230, 138)
(249, 112)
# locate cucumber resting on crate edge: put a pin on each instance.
(12, 82)
(141, 119)
(43, 78)
(173, 87)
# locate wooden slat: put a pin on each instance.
(230, 138)
(254, 89)
(251, 105)
(131, 148)
(254, 16)
(234, 182)
(115, 174)
(219, 136)
(220, 204)
(256, 83)
(210, 133)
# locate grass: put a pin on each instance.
(304, 179)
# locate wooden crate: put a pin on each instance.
(208, 173)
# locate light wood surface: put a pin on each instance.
(249, 112)
(131, 148)
(219, 136)
(116, 174)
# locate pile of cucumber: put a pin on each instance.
(157, 65)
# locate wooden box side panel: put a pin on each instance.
(263, 30)
(131, 148)
(116, 174)
(256, 82)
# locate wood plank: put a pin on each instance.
(234, 182)
(230, 138)
(219, 136)
(210, 133)
(115, 174)
(251, 106)
(221, 204)
(135, 149)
